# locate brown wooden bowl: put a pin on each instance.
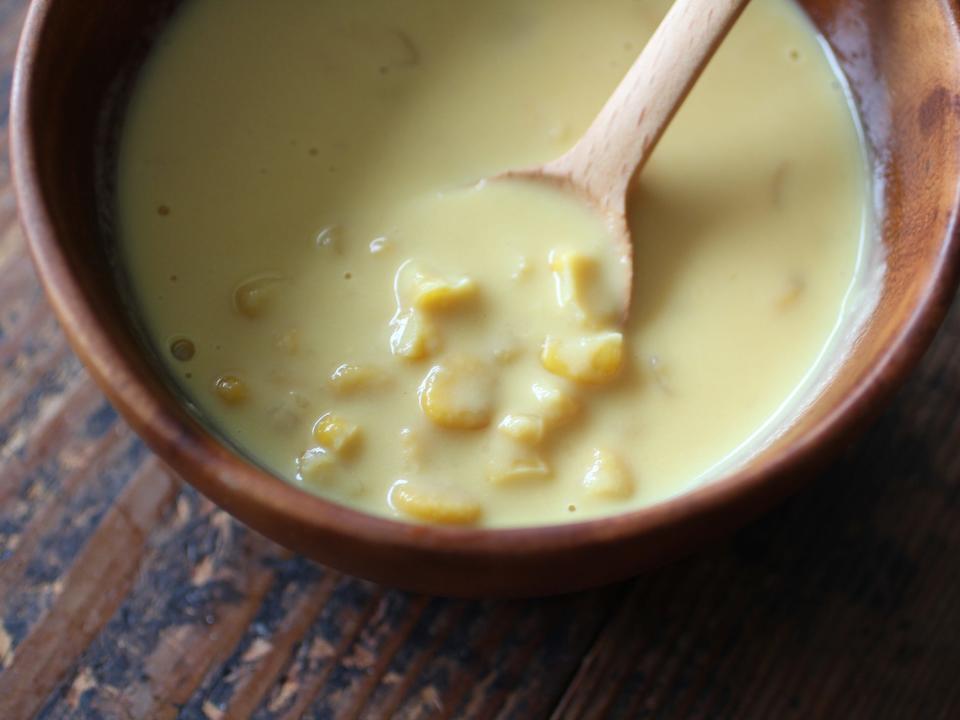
(77, 58)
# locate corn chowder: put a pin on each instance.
(316, 258)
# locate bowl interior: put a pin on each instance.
(76, 67)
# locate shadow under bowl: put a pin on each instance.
(75, 64)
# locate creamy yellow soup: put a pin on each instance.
(316, 258)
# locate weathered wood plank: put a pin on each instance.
(44, 371)
(324, 649)
(202, 581)
(378, 645)
(44, 508)
(261, 664)
(62, 433)
(11, 247)
(92, 588)
(423, 650)
(37, 579)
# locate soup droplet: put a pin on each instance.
(183, 349)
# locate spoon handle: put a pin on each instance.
(628, 127)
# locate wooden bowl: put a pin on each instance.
(75, 63)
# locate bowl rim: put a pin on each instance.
(233, 482)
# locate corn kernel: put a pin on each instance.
(523, 269)
(414, 336)
(507, 354)
(316, 465)
(287, 415)
(520, 470)
(411, 450)
(230, 388)
(348, 378)
(336, 434)
(279, 376)
(608, 477)
(426, 290)
(524, 428)
(559, 133)
(457, 394)
(288, 341)
(592, 359)
(380, 245)
(252, 297)
(575, 275)
(511, 463)
(661, 374)
(507, 348)
(556, 406)
(794, 288)
(435, 294)
(298, 400)
(432, 504)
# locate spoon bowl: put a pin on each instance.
(601, 165)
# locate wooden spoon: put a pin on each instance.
(615, 147)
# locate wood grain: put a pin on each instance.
(126, 595)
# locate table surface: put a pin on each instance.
(125, 594)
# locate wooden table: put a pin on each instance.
(124, 594)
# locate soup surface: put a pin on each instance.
(315, 260)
